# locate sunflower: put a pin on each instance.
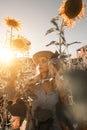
(70, 9)
(21, 44)
(12, 22)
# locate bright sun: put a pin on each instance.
(6, 55)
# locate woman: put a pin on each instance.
(44, 105)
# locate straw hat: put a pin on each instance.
(38, 55)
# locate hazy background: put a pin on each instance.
(35, 16)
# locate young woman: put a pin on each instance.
(44, 105)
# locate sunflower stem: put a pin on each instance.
(60, 42)
(11, 38)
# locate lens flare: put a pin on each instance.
(6, 55)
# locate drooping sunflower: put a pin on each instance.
(70, 10)
(13, 23)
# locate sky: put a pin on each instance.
(35, 16)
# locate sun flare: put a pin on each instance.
(6, 55)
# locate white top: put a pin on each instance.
(44, 100)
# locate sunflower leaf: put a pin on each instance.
(50, 30)
(51, 43)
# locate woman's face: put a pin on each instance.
(43, 64)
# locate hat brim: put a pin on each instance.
(47, 54)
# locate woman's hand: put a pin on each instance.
(15, 120)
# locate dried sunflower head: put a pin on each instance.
(70, 9)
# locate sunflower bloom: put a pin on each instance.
(70, 10)
(21, 44)
(12, 22)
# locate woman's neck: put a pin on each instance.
(44, 74)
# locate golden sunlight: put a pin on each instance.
(6, 55)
